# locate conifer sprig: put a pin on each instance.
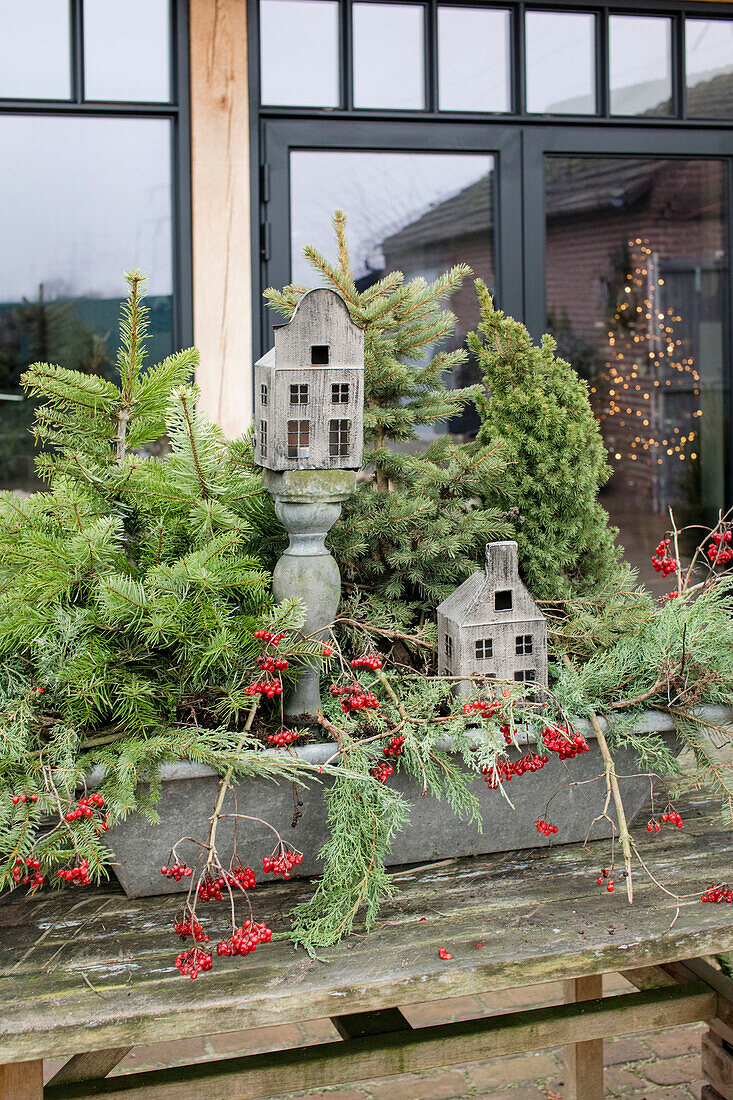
(415, 527)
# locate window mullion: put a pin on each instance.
(602, 64)
(679, 81)
(431, 55)
(347, 55)
(77, 51)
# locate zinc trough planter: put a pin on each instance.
(433, 831)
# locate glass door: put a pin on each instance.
(417, 198)
(633, 235)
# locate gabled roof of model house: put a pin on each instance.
(472, 603)
(321, 319)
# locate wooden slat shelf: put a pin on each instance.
(93, 971)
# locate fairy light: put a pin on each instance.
(646, 360)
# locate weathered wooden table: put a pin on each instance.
(90, 974)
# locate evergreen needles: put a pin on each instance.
(129, 592)
(416, 526)
(537, 410)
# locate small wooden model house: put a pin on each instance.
(309, 390)
(491, 626)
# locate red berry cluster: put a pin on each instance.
(652, 825)
(355, 697)
(268, 637)
(78, 875)
(192, 962)
(281, 862)
(176, 871)
(717, 552)
(544, 827)
(22, 869)
(245, 939)
(381, 772)
(283, 738)
(717, 894)
(481, 706)
(661, 560)
(273, 664)
(368, 660)
(506, 770)
(672, 817)
(269, 688)
(16, 798)
(557, 739)
(241, 878)
(444, 954)
(85, 808)
(605, 876)
(394, 748)
(190, 926)
(327, 651)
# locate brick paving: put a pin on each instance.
(662, 1065)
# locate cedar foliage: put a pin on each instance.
(537, 409)
(414, 529)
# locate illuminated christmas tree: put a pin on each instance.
(647, 396)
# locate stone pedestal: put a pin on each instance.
(308, 503)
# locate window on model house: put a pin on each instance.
(319, 355)
(448, 648)
(503, 599)
(299, 395)
(263, 439)
(523, 644)
(525, 676)
(299, 438)
(484, 648)
(340, 393)
(263, 395)
(339, 435)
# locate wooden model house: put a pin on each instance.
(309, 390)
(491, 625)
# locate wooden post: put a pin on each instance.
(222, 290)
(22, 1081)
(583, 1061)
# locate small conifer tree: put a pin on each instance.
(537, 409)
(129, 594)
(415, 528)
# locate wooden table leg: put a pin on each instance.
(583, 1061)
(22, 1081)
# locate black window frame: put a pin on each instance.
(518, 140)
(484, 649)
(177, 110)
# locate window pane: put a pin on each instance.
(709, 53)
(299, 53)
(474, 59)
(389, 56)
(640, 65)
(561, 67)
(66, 242)
(127, 50)
(414, 212)
(636, 276)
(35, 50)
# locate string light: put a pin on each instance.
(645, 362)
